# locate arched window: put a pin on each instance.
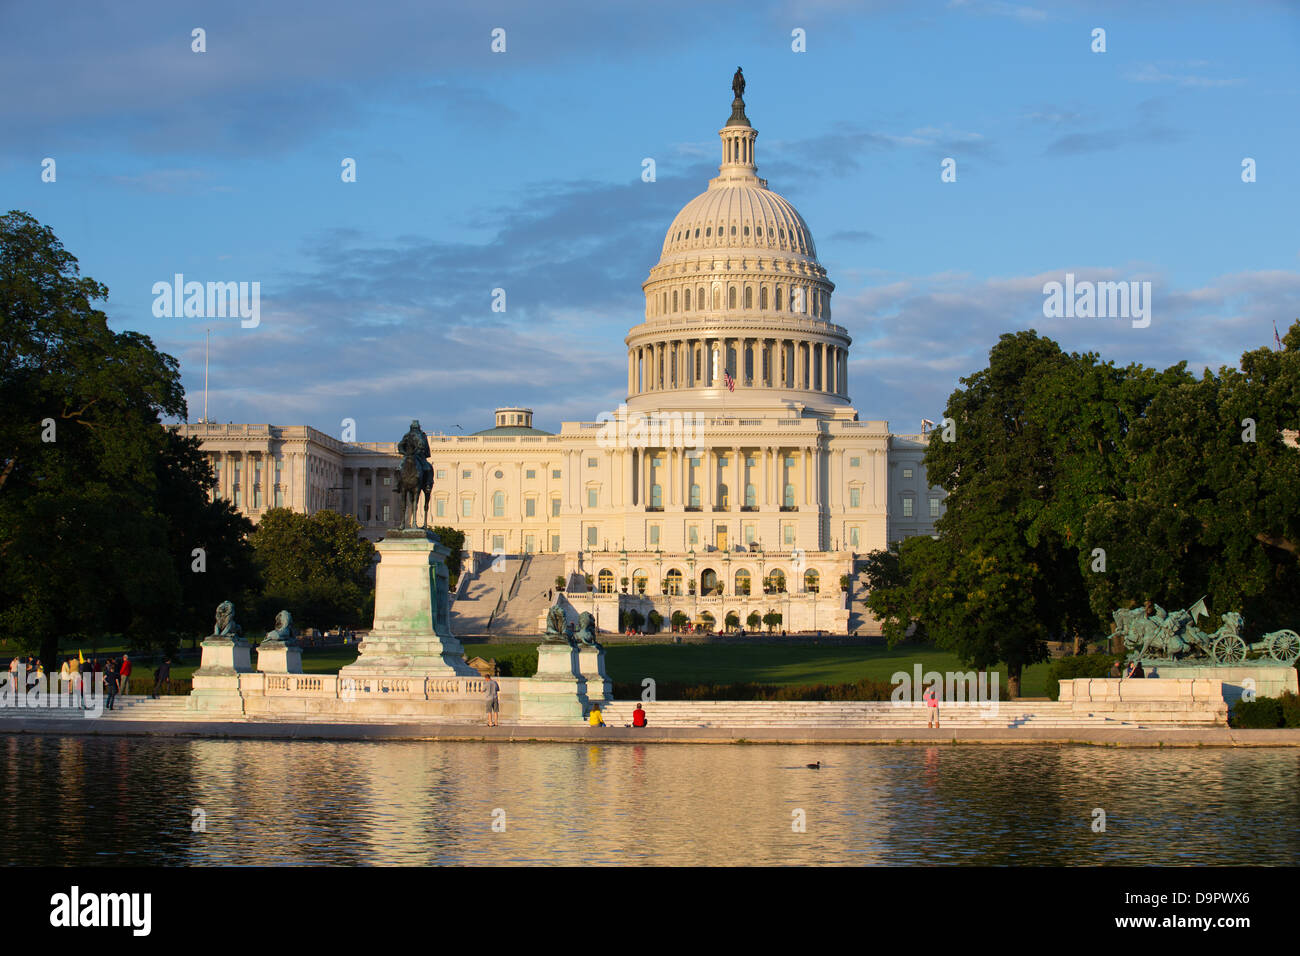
(762, 297)
(639, 579)
(747, 230)
(717, 297)
(723, 497)
(674, 300)
(498, 504)
(688, 300)
(674, 579)
(778, 299)
(742, 582)
(811, 581)
(775, 581)
(700, 300)
(749, 297)
(695, 496)
(697, 232)
(733, 230)
(751, 496)
(605, 581)
(708, 581)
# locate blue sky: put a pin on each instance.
(522, 170)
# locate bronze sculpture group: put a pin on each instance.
(1152, 633)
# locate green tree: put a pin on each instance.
(753, 621)
(680, 619)
(655, 620)
(318, 568)
(90, 485)
(453, 540)
(732, 620)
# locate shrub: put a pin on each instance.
(655, 620)
(753, 621)
(1087, 665)
(1260, 713)
(1290, 709)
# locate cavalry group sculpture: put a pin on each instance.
(1151, 633)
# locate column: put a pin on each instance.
(268, 481)
(738, 495)
(710, 491)
(807, 475)
(356, 491)
(631, 359)
(375, 514)
(842, 377)
(799, 375)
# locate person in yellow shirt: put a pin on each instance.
(597, 719)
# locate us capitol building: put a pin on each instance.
(737, 479)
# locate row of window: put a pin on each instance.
(800, 299)
(675, 583)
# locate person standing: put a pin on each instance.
(124, 676)
(932, 703)
(110, 684)
(493, 690)
(162, 676)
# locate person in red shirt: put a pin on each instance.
(638, 716)
(124, 675)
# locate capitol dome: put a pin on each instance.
(738, 300)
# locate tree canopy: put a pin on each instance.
(1076, 486)
(100, 507)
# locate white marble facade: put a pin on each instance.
(778, 463)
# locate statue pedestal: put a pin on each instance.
(1264, 678)
(591, 664)
(412, 635)
(216, 682)
(561, 692)
(277, 657)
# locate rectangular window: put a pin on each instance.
(530, 474)
(592, 462)
(388, 480)
(934, 507)
(279, 497)
(467, 507)
(555, 507)
(592, 495)
(749, 534)
(855, 462)
(530, 543)
(440, 507)
(257, 496)
(367, 513)
(789, 533)
(654, 536)
(853, 537)
(555, 542)
(555, 474)
(530, 507)
(907, 472)
(498, 544)
(442, 473)
(907, 507)
(694, 536)
(855, 497)
(465, 474)
(388, 513)
(591, 537)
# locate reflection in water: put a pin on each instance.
(123, 801)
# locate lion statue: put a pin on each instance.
(225, 625)
(283, 632)
(587, 629)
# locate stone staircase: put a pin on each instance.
(472, 612)
(852, 714)
(528, 601)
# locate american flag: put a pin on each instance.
(1275, 336)
(731, 382)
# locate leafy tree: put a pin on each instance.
(680, 619)
(655, 620)
(732, 620)
(92, 490)
(772, 619)
(753, 621)
(316, 567)
(454, 541)
(635, 618)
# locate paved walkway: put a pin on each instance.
(254, 729)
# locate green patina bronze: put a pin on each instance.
(1152, 634)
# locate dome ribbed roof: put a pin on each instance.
(744, 216)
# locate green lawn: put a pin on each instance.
(698, 663)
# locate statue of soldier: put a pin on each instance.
(414, 448)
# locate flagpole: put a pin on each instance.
(207, 334)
